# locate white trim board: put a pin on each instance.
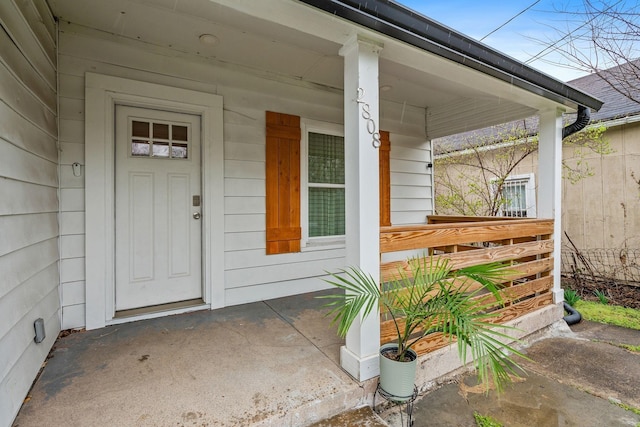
(102, 93)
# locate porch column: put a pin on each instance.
(550, 185)
(359, 356)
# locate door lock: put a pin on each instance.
(196, 215)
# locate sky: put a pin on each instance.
(521, 38)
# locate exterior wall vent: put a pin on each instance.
(38, 325)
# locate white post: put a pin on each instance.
(359, 357)
(550, 185)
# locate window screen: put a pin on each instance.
(326, 185)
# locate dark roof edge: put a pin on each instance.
(401, 23)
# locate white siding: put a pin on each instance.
(29, 288)
(250, 274)
(411, 180)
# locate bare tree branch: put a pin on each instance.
(601, 37)
(471, 180)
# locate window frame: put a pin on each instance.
(530, 194)
(325, 242)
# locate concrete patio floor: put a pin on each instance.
(267, 363)
(577, 377)
(276, 363)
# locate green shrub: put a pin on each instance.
(601, 297)
(571, 297)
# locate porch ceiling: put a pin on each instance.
(286, 39)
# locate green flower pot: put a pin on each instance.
(397, 378)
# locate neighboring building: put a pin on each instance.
(599, 211)
(159, 157)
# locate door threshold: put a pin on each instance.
(163, 309)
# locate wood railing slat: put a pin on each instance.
(480, 256)
(428, 236)
(437, 340)
(508, 295)
(449, 219)
(526, 245)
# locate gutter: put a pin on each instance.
(626, 120)
(401, 23)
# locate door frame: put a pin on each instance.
(102, 93)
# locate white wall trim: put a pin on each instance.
(102, 93)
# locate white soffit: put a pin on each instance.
(288, 38)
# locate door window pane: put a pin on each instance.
(160, 130)
(160, 149)
(140, 129)
(140, 148)
(179, 151)
(159, 140)
(179, 133)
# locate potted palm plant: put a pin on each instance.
(431, 298)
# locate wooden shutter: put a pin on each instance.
(283, 183)
(385, 179)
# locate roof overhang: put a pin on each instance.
(401, 23)
(442, 82)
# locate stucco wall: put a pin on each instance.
(600, 211)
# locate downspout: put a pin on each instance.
(582, 120)
(573, 317)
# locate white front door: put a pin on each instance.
(157, 208)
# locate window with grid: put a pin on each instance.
(518, 194)
(515, 197)
(162, 140)
(325, 185)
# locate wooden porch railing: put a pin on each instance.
(524, 244)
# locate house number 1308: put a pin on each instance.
(371, 123)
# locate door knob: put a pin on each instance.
(196, 215)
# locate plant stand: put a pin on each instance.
(394, 400)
